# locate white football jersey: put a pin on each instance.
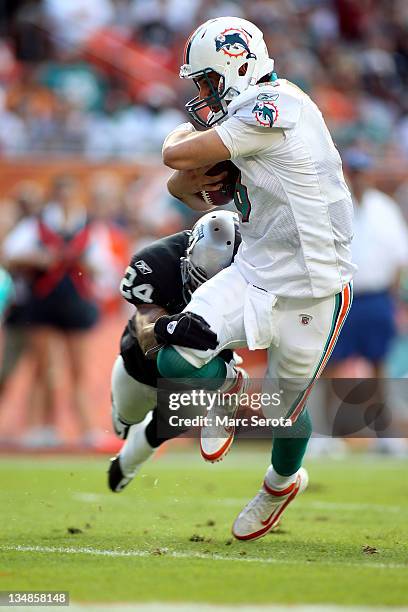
(296, 209)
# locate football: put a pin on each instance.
(226, 193)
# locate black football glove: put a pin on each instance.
(185, 329)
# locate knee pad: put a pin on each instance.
(120, 428)
(131, 399)
(298, 363)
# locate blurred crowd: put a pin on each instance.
(66, 248)
(98, 80)
(100, 77)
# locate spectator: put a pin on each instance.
(350, 54)
(62, 249)
(27, 201)
(380, 250)
(106, 193)
(72, 22)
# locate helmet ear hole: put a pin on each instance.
(220, 86)
(212, 244)
(243, 69)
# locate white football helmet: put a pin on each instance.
(235, 49)
(212, 246)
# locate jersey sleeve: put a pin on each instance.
(142, 279)
(153, 275)
(257, 120)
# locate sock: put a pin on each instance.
(172, 365)
(276, 481)
(230, 379)
(136, 448)
(151, 431)
(288, 453)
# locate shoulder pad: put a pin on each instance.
(268, 105)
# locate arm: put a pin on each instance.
(21, 249)
(185, 184)
(38, 259)
(241, 135)
(186, 149)
(144, 319)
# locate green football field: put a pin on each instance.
(167, 537)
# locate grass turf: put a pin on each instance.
(175, 519)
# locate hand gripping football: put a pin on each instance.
(226, 193)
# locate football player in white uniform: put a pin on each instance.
(289, 288)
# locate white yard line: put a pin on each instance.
(191, 555)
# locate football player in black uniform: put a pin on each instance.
(159, 282)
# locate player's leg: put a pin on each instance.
(346, 347)
(308, 332)
(131, 399)
(220, 302)
(133, 404)
(137, 421)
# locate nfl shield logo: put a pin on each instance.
(171, 326)
(305, 319)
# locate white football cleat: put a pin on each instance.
(216, 438)
(264, 511)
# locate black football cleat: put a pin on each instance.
(117, 481)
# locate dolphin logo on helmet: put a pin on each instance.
(234, 42)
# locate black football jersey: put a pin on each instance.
(154, 274)
(152, 277)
